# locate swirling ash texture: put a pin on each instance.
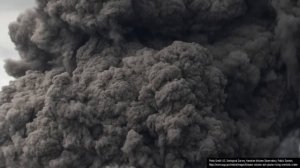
(151, 83)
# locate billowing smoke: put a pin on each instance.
(151, 83)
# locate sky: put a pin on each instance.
(9, 11)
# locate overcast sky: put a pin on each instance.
(9, 10)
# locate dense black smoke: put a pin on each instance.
(151, 83)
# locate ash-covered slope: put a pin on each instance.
(151, 83)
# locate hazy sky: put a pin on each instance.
(9, 10)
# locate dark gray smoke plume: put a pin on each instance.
(151, 83)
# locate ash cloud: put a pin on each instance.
(151, 83)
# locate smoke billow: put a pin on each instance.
(151, 83)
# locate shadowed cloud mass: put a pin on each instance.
(151, 83)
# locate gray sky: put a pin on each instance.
(15, 4)
(9, 10)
